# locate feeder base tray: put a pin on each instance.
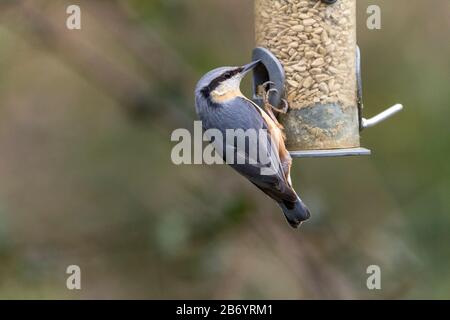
(331, 153)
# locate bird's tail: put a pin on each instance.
(296, 212)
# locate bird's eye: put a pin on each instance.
(227, 75)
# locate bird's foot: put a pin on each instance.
(283, 109)
(263, 89)
(265, 84)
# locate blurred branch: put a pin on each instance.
(159, 59)
(139, 95)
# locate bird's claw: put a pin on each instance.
(268, 83)
(268, 93)
(265, 94)
(262, 89)
(283, 109)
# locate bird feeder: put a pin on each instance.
(309, 55)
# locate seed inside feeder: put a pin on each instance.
(316, 44)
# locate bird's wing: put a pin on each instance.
(279, 138)
(269, 174)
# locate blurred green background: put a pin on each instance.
(86, 176)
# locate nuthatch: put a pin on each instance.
(221, 106)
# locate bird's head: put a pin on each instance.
(223, 84)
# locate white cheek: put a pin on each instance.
(228, 85)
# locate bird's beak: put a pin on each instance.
(249, 67)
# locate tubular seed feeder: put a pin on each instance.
(309, 54)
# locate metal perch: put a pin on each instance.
(368, 123)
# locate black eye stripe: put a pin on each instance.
(227, 75)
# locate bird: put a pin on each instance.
(220, 105)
